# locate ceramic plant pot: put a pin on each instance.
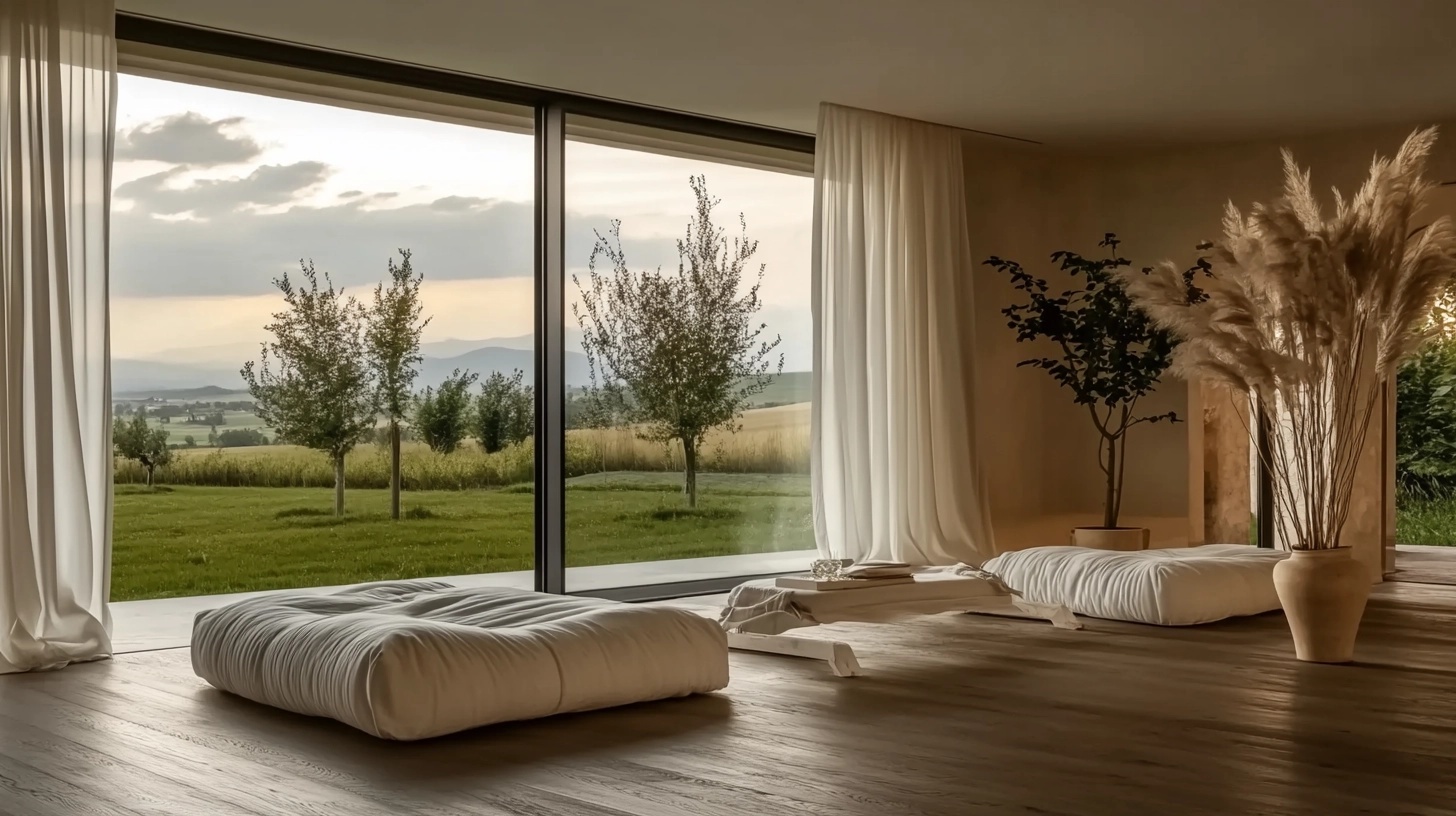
(1323, 593)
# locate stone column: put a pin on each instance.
(1370, 529)
(1220, 495)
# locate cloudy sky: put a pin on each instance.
(217, 192)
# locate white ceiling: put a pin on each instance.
(1058, 71)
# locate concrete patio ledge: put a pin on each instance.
(166, 623)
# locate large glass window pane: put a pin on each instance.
(689, 356)
(219, 194)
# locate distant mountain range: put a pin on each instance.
(211, 372)
(207, 393)
(523, 342)
(209, 368)
(485, 361)
(788, 387)
(130, 377)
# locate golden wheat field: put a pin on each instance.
(770, 440)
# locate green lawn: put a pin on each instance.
(208, 540)
(1425, 521)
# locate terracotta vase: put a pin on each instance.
(1323, 593)
(1111, 538)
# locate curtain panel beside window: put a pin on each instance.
(895, 465)
(57, 122)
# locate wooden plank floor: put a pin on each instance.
(958, 715)
(1425, 565)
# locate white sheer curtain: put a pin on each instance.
(57, 115)
(895, 468)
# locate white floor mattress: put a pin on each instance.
(416, 659)
(1169, 587)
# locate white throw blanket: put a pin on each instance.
(759, 607)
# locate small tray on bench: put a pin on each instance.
(810, 582)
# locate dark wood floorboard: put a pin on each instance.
(957, 715)
(1425, 565)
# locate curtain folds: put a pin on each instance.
(57, 119)
(895, 468)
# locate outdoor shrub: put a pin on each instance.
(1425, 421)
(240, 438)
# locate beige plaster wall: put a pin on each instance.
(1010, 190)
(1025, 202)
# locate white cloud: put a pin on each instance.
(188, 138)
(197, 242)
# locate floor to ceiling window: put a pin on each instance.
(419, 237)
(588, 338)
(689, 356)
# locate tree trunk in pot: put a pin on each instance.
(1323, 593)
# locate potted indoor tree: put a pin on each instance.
(1107, 352)
(1311, 314)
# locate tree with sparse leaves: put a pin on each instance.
(442, 417)
(313, 383)
(504, 411)
(1108, 352)
(393, 336)
(138, 441)
(678, 354)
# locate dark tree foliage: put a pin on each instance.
(442, 416)
(1425, 421)
(1106, 350)
(138, 441)
(1425, 410)
(504, 411)
(211, 419)
(241, 438)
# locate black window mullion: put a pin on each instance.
(550, 374)
(1264, 481)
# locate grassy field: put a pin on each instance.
(179, 428)
(771, 440)
(1425, 521)
(178, 541)
(788, 387)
